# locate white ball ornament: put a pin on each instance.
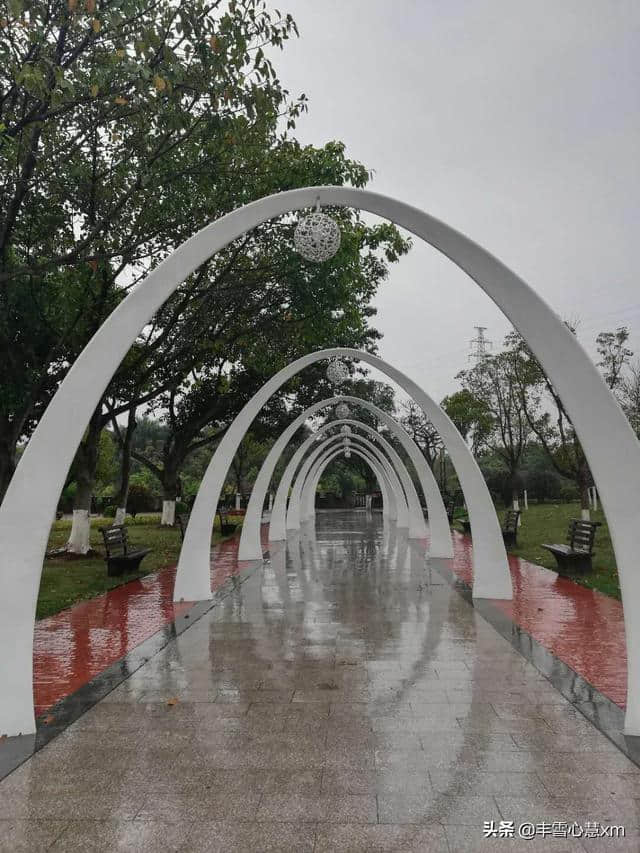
(345, 430)
(317, 237)
(342, 411)
(337, 372)
(347, 454)
(346, 442)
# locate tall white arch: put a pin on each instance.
(293, 510)
(610, 445)
(250, 547)
(416, 523)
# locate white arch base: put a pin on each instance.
(610, 445)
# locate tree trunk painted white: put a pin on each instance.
(516, 506)
(270, 501)
(79, 537)
(238, 500)
(168, 513)
(585, 514)
(526, 499)
(120, 515)
(369, 500)
(595, 498)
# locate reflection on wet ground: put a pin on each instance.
(344, 697)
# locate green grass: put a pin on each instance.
(65, 581)
(548, 523)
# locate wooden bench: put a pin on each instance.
(510, 527)
(226, 527)
(577, 553)
(120, 557)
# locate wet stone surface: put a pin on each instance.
(344, 697)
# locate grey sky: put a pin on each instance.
(516, 122)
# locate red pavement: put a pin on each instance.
(75, 645)
(582, 627)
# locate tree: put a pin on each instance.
(630, 396)
(123, 128)
(550, 420)
(504, 390)
(421, 430)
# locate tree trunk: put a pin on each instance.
(84, 472)
(583, 485)
(125, 469)
(170, 484)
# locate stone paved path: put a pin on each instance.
(344, 697)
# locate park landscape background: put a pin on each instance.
(125, 128)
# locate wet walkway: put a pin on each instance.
(344, 696)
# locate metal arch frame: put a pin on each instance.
(295, 501)
(26, 512)
(250, 547)
(415, 521)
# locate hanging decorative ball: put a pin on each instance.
(342, 411)
(347, 454)
(346, 442)
(346, 429)
(317, 237)
(337, 372)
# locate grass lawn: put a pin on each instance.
(549, 523)
(66, 581)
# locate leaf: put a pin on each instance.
(91, 6)
(94, 90)
(71, 5)
(173, 701)
(216, 45)
(96, 25)
(120, 53)
(120, 100)
(50, 719)
(93, 264)
(160, 83)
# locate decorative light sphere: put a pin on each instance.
(337, 372)
(346, 430)
(342, 411)
(317, 237)
(347, 454)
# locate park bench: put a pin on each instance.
(578, 551)
(510, 527)
(120, 557)
(226, 526)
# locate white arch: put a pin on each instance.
(293, 510)
(416, 523)
(610, 445)
(250, 547)
(375, 466)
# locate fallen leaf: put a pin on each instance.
(49, 719)
(96, 25)
(173, 701)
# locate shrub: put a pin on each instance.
(109, 511)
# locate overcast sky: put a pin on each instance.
(515, 121)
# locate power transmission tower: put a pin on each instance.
(480, 345)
